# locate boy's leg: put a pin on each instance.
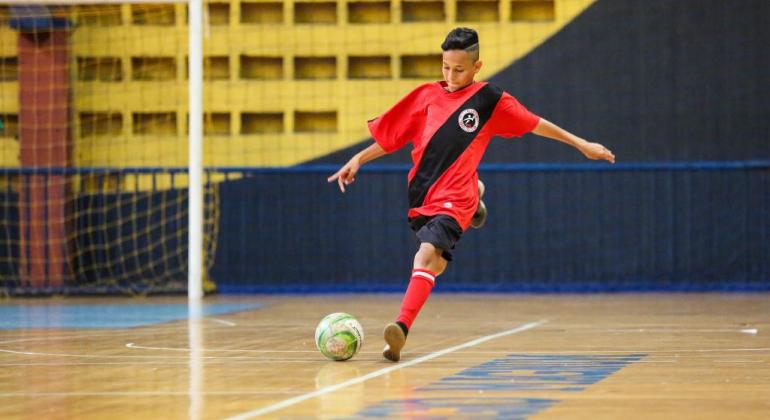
(437, 236)
(428, 264)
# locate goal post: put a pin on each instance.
(195, 223)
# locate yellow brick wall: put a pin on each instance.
(286, 81)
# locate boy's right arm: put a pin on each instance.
(347, 174)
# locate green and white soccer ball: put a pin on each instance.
(339, 336)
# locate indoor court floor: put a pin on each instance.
(677, 356)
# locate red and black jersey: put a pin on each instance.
(450, 132)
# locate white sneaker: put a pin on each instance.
(480, 217)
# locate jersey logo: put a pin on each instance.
(469, 120)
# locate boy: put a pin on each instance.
(450, 124)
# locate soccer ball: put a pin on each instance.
(339, 336)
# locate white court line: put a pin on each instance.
(137, 393)
(186, 349)
(68, 364)
(678, 330)
(133, 333)
(262, 359)
(97, 334)
(376, 373)
(223, 322)
(210, 361)
(151, 357)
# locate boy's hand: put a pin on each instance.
(347, 174)
(596, 151)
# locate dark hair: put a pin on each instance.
(465, 39)
(460, 39)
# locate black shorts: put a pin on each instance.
(441, 231)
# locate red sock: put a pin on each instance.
(417, 293)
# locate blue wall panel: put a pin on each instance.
(548, 230)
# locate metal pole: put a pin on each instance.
(195, 216)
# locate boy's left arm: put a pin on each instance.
(593, 151)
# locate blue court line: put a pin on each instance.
(464, 407)
(500, 380)
(94, 316)
(535, 372)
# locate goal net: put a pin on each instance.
(93, 149)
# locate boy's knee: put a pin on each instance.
(427, 247)
(429, 257)
(429, 251)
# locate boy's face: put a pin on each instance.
(459, 69)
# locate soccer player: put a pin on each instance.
(449, 124)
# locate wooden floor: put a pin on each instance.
(468, 356)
